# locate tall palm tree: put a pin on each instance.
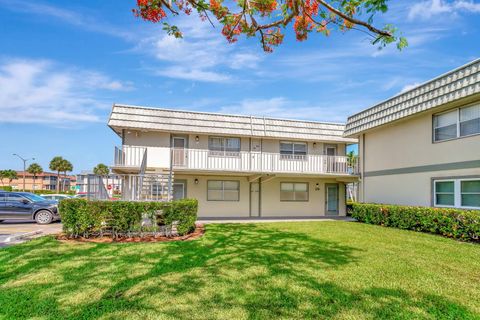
(56, 164)
(101, 169)
(66, 167)
(34, 169)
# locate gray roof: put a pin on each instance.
(168, 120)
(452, 86)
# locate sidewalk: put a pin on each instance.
(12, 231)
(266, 219)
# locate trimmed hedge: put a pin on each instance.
(84, 217)
(452, 223)
(6, 188)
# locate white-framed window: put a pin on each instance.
(224, 146)
(223, 190)
(457, 123)
(457, 193)
(294, 191)
(293, 150)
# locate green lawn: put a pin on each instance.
(302, 270)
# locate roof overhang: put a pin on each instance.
(189, 122)
(459, 85)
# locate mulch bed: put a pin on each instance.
(197, 233)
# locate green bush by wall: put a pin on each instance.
(83, 217)
(6, 188)
(453, 223)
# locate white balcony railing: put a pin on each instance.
(200, 159)
(129, 156)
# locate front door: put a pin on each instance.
(331, 161)
(331, 199)
(254, 199)
(179, 153)
(179, 190)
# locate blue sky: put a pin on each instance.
(64, 63)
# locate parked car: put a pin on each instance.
(27, 206)
(56, 197)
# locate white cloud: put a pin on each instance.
(40, 91)
(202, 55)
(281, 107)
(84, 21)
(409, 87)
(430, 8)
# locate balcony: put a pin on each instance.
(130, 159)
(256, 162)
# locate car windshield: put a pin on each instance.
(33, 197)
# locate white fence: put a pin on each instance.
(199, 159)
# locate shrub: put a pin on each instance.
(453, 223)
(6, 188)
(84, 217)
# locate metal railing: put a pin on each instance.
(131, 187)
(201, 159)
(130, 156)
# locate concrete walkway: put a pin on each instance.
(266, 220)
(14, 231)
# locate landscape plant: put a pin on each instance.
(81, 217)
(452, 223)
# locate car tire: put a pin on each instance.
(43, 217)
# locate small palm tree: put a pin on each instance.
(34, 169)
(101, 170)
(56, 164)
(10, 175)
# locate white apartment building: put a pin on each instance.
(236, 166)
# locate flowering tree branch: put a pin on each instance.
(268, 19)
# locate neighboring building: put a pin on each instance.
(422, 147)
(98, 187)
(236, 166)
(44, 181)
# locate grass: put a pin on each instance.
(303, 270)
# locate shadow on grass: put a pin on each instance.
(235, 271)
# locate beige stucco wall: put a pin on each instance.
(408, 145)
(270, 195)
(408, 189)
(315, 206)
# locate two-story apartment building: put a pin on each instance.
(422, 147)
(236, 166)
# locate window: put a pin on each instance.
(14, 198)
(470, 193)
(293, 150)
(457, 123)
(459, 193)
(293, 191)
(222, 146)
(445, 193)
(469, 120)
(223, 190)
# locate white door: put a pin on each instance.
(179, 152)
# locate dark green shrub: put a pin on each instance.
(6, 188)
(83, 217)
(453, 223)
